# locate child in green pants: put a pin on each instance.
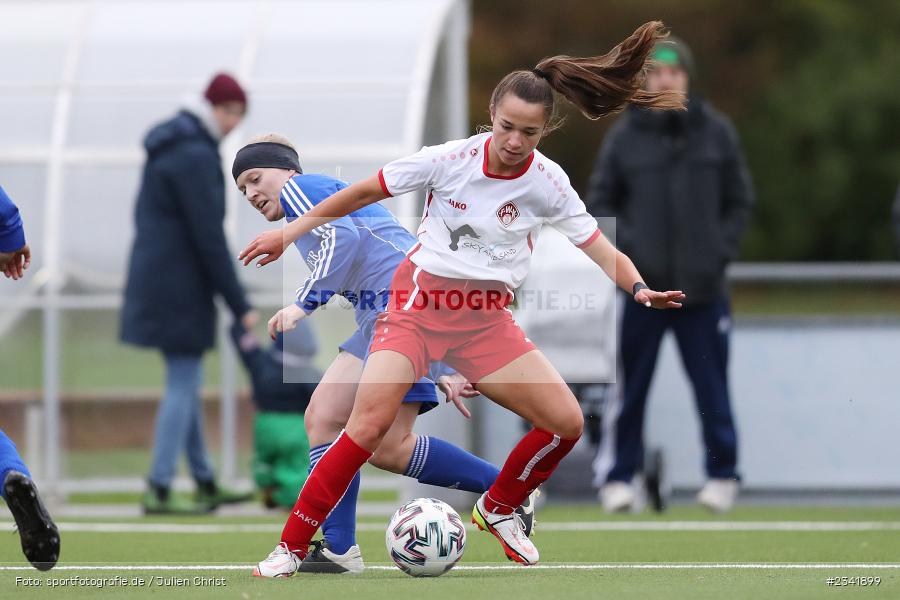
(280, 445)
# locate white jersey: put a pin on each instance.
(477, 225)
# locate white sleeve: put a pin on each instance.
(411, 173)
(569, 216)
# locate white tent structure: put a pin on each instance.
(354, 83)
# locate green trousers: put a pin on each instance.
(280, 455)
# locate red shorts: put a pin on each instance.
(461, 322)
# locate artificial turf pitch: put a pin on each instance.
(750, 553)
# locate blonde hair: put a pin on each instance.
(275, 138)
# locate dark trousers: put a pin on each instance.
(702, 334)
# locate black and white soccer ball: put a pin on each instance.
(425, 537)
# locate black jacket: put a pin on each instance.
(267, 370)
(180, 258)
(679, 188)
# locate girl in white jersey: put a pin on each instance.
(487, 198)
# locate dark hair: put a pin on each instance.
(597, 85)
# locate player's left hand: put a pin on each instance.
(455, 387)
(269, 244)
(652, 299)
(285, 319)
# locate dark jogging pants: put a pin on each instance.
(702, 333)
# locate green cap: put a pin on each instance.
(674, 53)
(666, 56)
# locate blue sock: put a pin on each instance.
(339, 527)
(9, 460)
(440, 463)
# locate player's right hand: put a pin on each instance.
(269, 244)
(285, 319)
(661, 300)
(13, 264)
(456, 388)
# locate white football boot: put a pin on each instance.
(281, 562)
(510, 530)
(526, 512)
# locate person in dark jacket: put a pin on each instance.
(677, 183)
(169, 291)
(283, 380)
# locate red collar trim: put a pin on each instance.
(484, 165)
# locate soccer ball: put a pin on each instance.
(425, 538)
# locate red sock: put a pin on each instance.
(324, 488)
(529, 465)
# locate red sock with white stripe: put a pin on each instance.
(529, 465)
(323, 489)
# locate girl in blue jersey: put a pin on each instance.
(354, 257)
(37, 531)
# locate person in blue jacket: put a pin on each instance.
(179, 262)
(37, 531)
(354, 257)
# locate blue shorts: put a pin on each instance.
(421, 391)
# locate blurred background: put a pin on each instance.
(811, 86)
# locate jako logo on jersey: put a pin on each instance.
(455, 204)
(507, 214)
(455, 234)
(305, 519)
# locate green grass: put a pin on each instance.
(821, 299)
(557, 547)
(92, 358)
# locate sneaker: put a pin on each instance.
(160, 501)
(322, 560)
(655, 482)
(212, 496)
(281, 562)
(718, 495)
(509, 529)
(526, 512)
(617, 496)
(37, 531)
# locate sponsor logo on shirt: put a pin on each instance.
(457, 204)
(456, 234)
(507, 214)
(490, 251)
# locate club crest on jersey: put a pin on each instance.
(507, 214)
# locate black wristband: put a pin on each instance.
(640, 285)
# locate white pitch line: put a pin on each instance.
(545, 567)
(187, 528)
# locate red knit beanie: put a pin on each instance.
(225, 88)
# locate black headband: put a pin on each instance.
(265, 155)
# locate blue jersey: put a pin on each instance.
(354, 256)
(12, 234)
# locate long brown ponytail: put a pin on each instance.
(597, 85)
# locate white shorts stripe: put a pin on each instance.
(415, 291)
